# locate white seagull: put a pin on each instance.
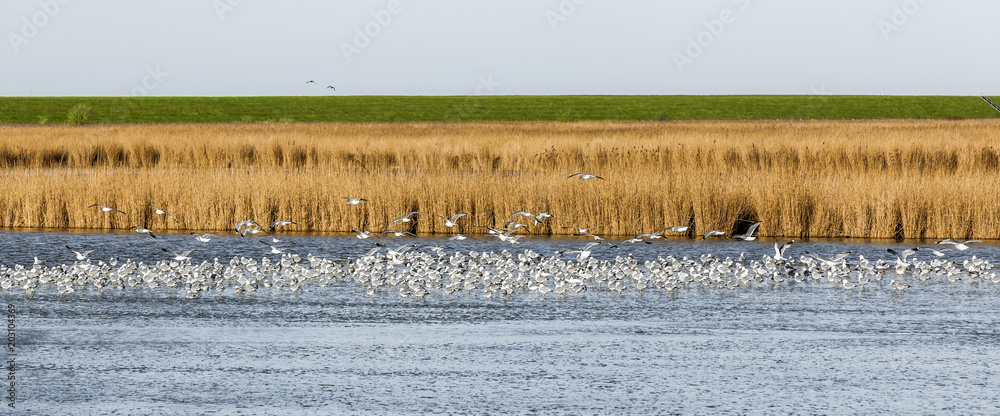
(748, 236)
(451, 222)
(959, 245)
(106, 208)
(180, 257)
(162, 212)
(779, 250)
(677, 229)
(712, 233)
(585, 176)
(80, 255)
(901, 257)
(405, 218)
(354, 201)
(142, 230)
(399, 233)
(280, 223)
(582, 230)
(204, 238)
(364, 234)
(240, 225)
(542, 216)
(251, 230)
(274, 249)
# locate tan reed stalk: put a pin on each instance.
(869, 179)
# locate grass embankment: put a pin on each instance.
(42, 110)
(878, 179)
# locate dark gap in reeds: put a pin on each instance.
(807, 208)
(898, 231)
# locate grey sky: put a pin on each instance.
(447, 47)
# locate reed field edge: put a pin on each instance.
(803, 179)
(127, 109)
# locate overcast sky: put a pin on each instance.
(465, 47)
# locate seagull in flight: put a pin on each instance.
(240, 225)
(832, 261)
(678, 229)
(142, 230)
(106, 208)
(451, 222)
(331, 86)
(251, 230)
(541, 216)
(599, 239)
(180, 257)
(398, 233)
(405, 218)
(582, 253)
(310, 82)
(204, 238)
(636, 239)
(274, 249)
(901, 257)
(585, 176)
(457, 237)
(779, 250)
(748, 236)
(281, 223)
(713, 233)
(162, 212)
(364, 234)
(354, 201)
(516, 225)
(959, 245)
(581, 230)
(80, 255)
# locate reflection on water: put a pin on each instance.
(788, 347)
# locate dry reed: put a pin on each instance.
(872, 179)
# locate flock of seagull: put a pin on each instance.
(412, 270)
(417, 271)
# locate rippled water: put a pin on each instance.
(931, 349)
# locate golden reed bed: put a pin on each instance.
(876, 179)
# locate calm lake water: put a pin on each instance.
(803, 349)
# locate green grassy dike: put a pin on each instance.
(42, 110)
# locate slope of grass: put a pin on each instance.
(32, 110)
